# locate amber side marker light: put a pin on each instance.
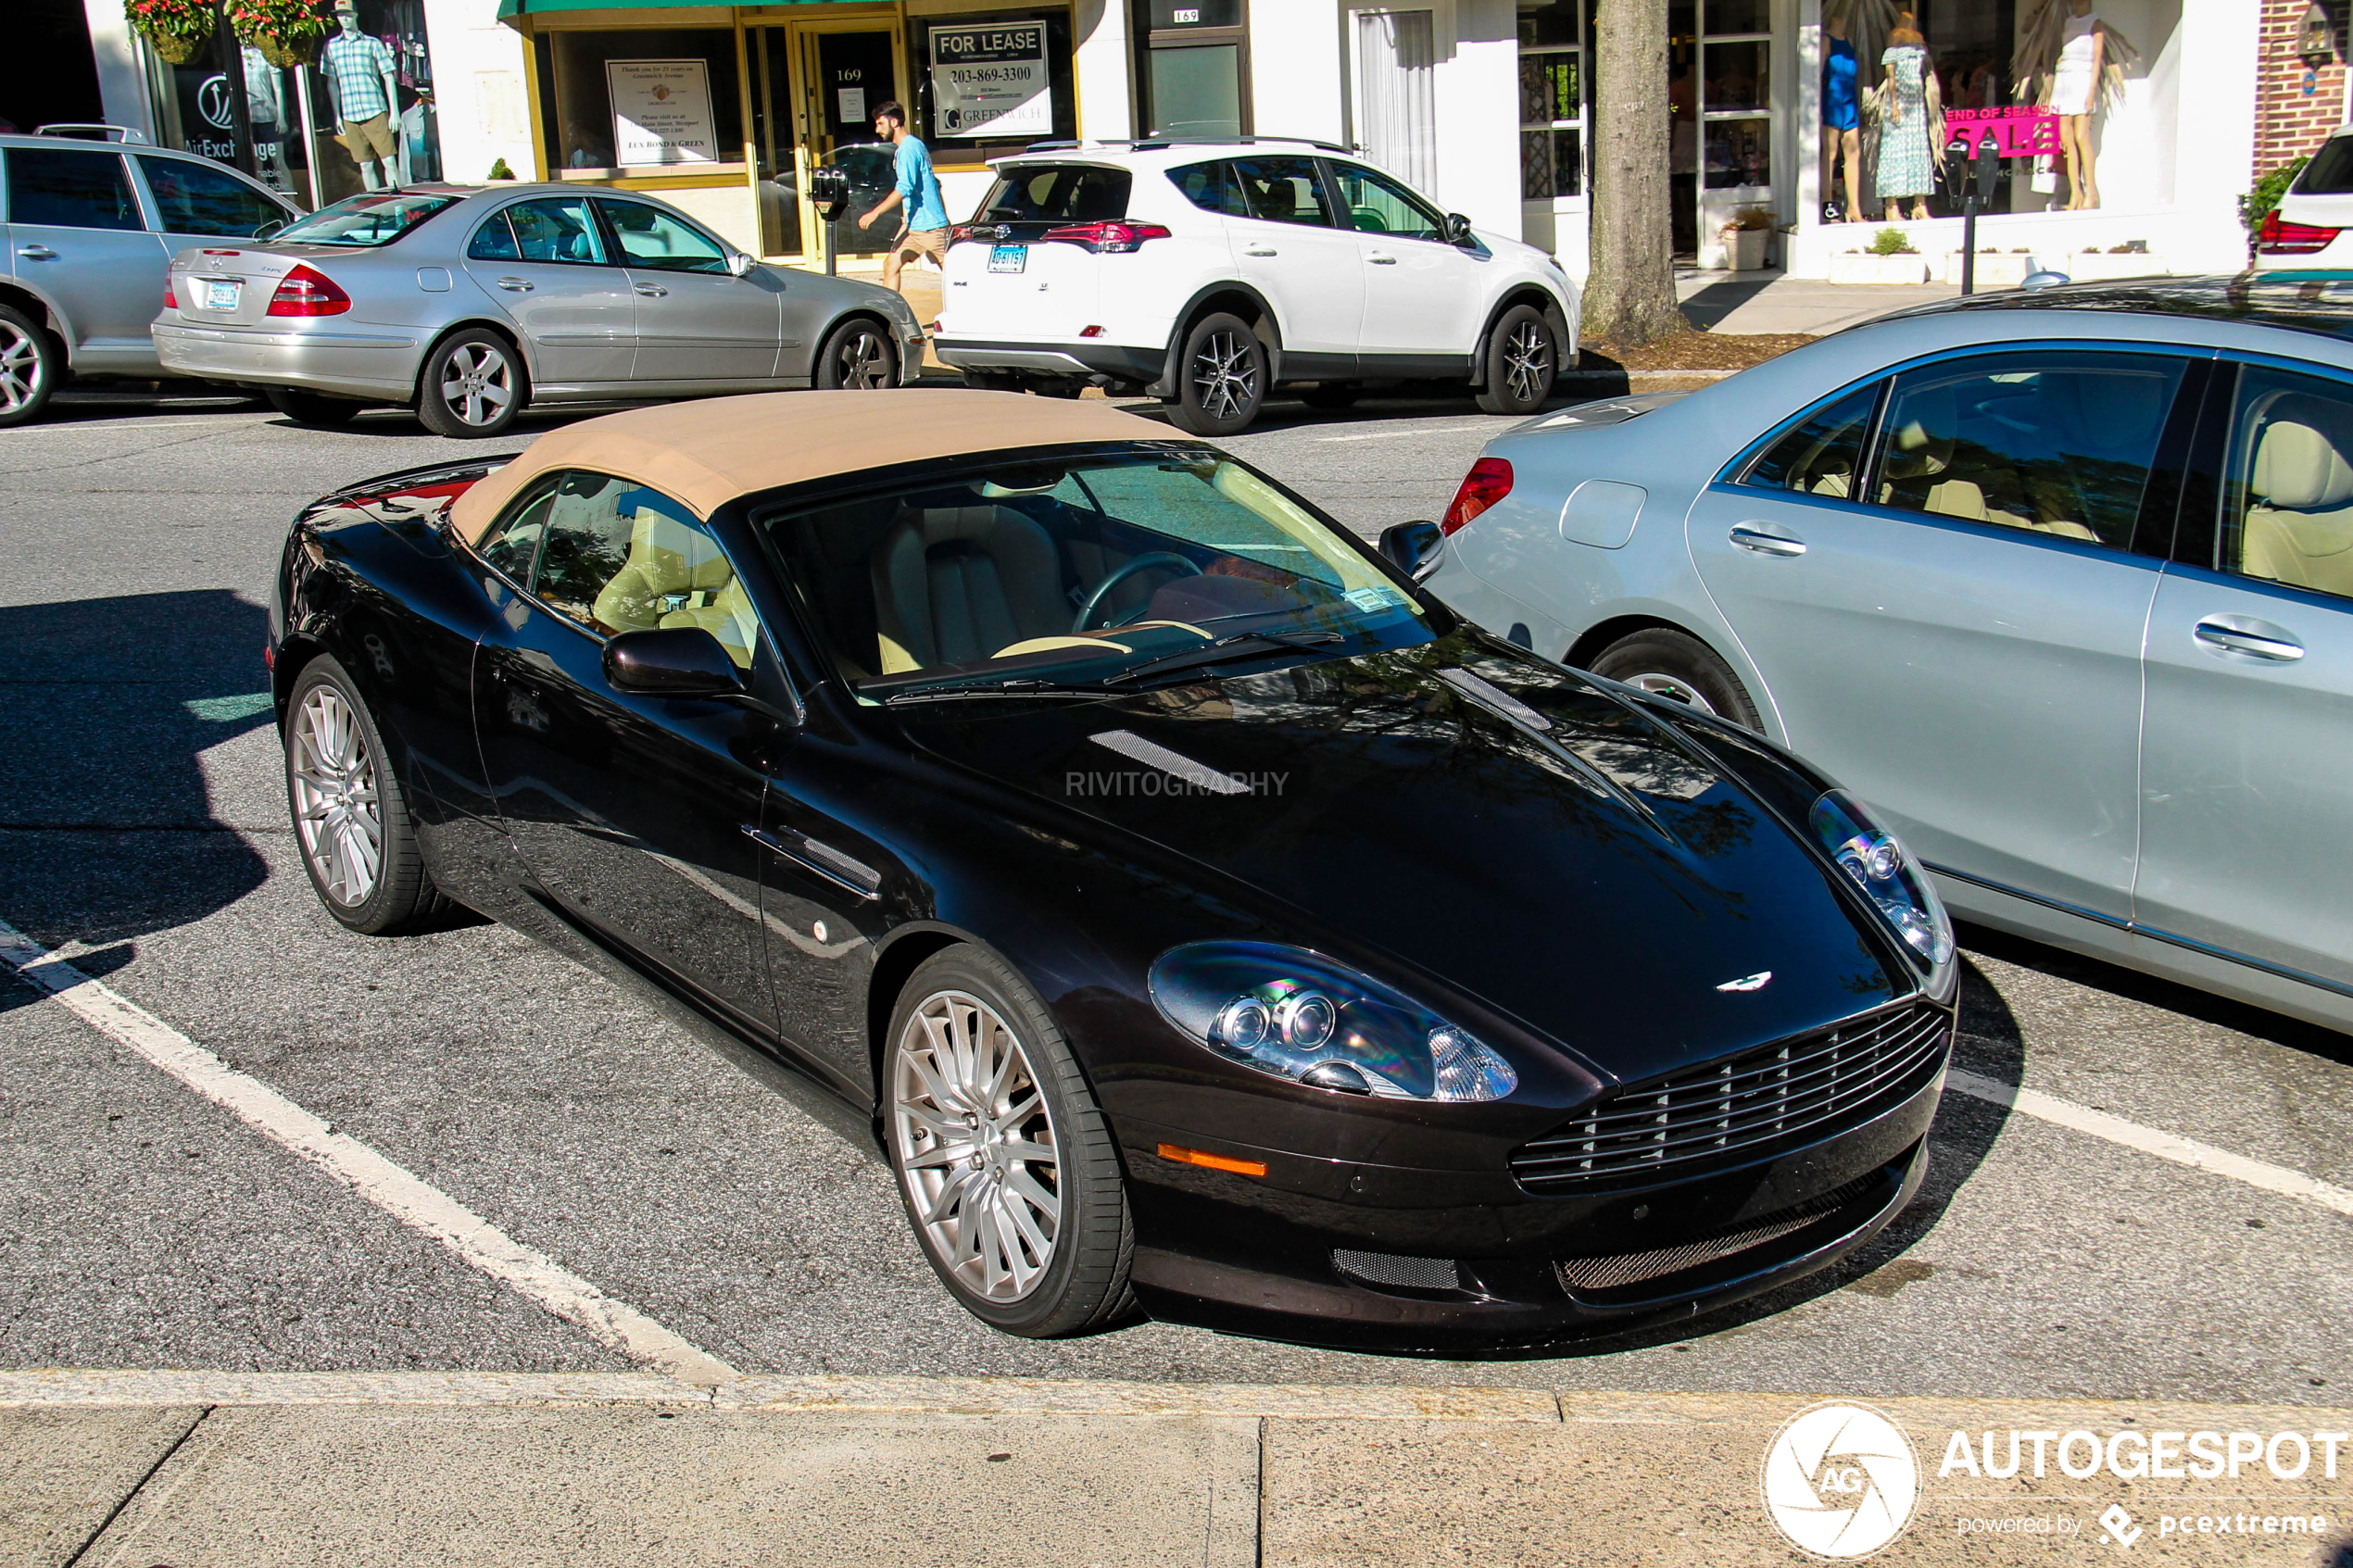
(1211, 1161)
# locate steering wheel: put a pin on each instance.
(1165, 559)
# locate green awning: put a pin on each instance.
(539, 7)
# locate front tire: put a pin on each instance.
(473, 385)
(1221, 377)
(1523, 359)
(310, 408)
(856, 356)
(1006, 1166)
(1670, 664)
(31, 363)
(351, 822)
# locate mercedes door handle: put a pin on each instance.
(1261, 251)
(36, 253)
(651, 291)
(518, 285)
(1382, 261)
(2240, 634)
(1761, 542)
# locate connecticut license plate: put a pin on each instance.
(221, 293)
(1008, 259)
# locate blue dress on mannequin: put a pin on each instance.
(1838, 112)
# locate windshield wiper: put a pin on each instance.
(1224, 649)
(1003, 686)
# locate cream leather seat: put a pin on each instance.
(959, 585)
(674, 576)
(2300, 513)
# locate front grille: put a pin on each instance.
(1744, 1108)
(1392, 1269)
(1632, 1268)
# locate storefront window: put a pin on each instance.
(1194, 67)
(641, 98)
(1552, 100)
(994, 82)
(234, 107)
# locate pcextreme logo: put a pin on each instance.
(1841, 1481)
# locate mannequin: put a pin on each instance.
(1841, 114)
(362, 82)
(2072, 62)
(1911, 121)
(265, 107)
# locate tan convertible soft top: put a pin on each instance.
(708, 453)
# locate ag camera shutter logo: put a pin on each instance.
(1841, 1481)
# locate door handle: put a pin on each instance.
(36, 253)
(1759, 541)
(2260, 638)
(1264, 250)
(651, 291)
(518, 285)
(845, 872)
(1383, 260)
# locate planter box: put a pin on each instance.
(2093, 266)
(1999, 271)
(1857, 268)
(1744, 248)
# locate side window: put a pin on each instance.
(1377, 205)
(1279, 190)
(1821, 453)
(651, 238)
(1208, 187)
(620, 557)
(195, 198)
(2058, 442)
(512, 542)
(71, 189)
(558, 229)
(2287, 509)
(492, 242)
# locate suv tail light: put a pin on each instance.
(2279, 238)
(170, 299)
(1490, 481)
(305, 292)
(1115, 238)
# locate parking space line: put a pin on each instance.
(397, 1192)
(2148, 1140)
(1396, 435)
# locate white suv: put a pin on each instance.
(1206, 273)
(2312, 227)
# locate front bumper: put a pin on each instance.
(1225, 1251)
(379, 365)
(1089, 360)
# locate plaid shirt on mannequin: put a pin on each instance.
(358, 66)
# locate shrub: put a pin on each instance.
(2260, 202)
(1892, 241)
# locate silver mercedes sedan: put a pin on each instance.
(469, 303)
(2062, 584)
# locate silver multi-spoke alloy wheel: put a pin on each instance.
(21, 367)
(977, 1146)
(477, 383)
(1528, 361)
(862, 361)
(1225, 375)
(337, 812)
(1670, 687)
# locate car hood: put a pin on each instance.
(1592, 875)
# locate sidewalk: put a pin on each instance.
(197, 1470)
(1769, 301)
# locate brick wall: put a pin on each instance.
(2289, 121)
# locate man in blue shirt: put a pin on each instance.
(923, 229)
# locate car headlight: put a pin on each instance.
(1885, 870)
(1298, 1015)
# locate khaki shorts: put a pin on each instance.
(371, 138)
(922, 242)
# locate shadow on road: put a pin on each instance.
(106, 829)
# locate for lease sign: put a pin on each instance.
(989, 79)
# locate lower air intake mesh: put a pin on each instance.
(1623, 1269)
(1388, 1268)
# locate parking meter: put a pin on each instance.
(829, 191)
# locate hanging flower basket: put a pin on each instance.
(288, 32)
(176, 29)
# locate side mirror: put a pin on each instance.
(738, 264)
(1458, 231)
(1413, 548)
(269, 229)
(681, 662)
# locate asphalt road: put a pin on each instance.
(143, 834)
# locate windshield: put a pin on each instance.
(374, 218)
(1106, 570)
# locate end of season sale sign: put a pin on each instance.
(990, 80)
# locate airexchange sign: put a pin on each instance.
(989, 79)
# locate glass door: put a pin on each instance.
(816, 89)
(1735, 119)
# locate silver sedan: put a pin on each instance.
(469, 303)
(2060, 582)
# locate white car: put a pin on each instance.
(2312, 227)
(1206, 273)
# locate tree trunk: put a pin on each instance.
(1629, 298)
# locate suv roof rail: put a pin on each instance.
(1159, 142)
(81, 130)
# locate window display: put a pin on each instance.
(2072, 62)
(1908, 121)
